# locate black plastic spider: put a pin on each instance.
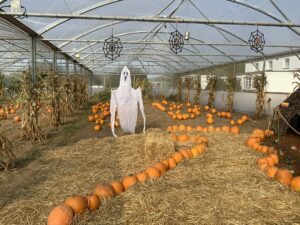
(257, 41)
(112, 47)
(176, 41)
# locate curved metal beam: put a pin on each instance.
(80, 12)
(251, 6)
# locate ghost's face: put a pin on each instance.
(125, 78)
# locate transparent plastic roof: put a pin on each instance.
(145, 44)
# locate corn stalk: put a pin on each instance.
(197, 83)
(212, 85)
(7, 157)
(179, 89)
(230, 88)
(56, 99)
(187, 82)
(260, 82)
(30, 117)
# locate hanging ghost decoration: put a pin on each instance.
(125, 100)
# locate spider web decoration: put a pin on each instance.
(176, 41)
(257, 41)
(112, 47)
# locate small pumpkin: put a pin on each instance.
(209, 120)
(77, 203)
(97, 128)
(240, 121)
(91, 118)
(60, 215)
(235, 130)
(225, 128)
(17, 119)
(129, 181)
(185, 153)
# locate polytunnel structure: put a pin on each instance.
(149, 112)
(218, 33)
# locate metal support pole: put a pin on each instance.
(91, 83)
(54, 61)
(67, 67)
(33, 59)
(75, 68)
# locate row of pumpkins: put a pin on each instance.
(195, 110)
(101, 112)
(75, 205)
(225, 128)
(268, 163)
(10, 109)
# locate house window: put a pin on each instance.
(256, 66)
(270, 65)
(248, 83)
(286, 63)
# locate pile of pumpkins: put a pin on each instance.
(10, 109)
(76, 205)
(268, 163)
(100, 112)
(209, 129)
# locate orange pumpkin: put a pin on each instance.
(161, 167)
(225, 128)
(129, 181)
(178, 157)
(245, 118)
(117, 186)
(179, 116)
(195, 152)
(97, 128)
(240, 121)
(263, 166)
(218, 129)
(275, 158)
(209, 120)
(232, 122)
(271, 171)
(185, 153)
(17, 119)
(141, 176)
(93, 202)
(77, 203)
(172, 163)
(91, 118)
(183, 138)
(198, 128)
(295, 184)
(210, 129)
(104, 191)
(189, 128)
(213, 110)
(166, 162)
(60, 215)
(284, 176)
(235, 130)
(181, 127)
(223, 114)
(152, 172)
(193, 116)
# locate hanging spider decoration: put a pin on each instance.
(176, 41)
(257, 41)
(112, 47)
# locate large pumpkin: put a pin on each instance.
(60, 215)
(104, 191)
(77, 203)
(117, 186)
(93, 202)
(129, 181)
(295, 184)
(284, 176)
(152, 172)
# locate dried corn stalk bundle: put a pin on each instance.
(230, 88)
(212, 85)
(32, 130)
(68, 103)
(55, 86)
(197, 84)
(80, 91)
(179, 89)
(260, 82)
(2, 93)
(187, 82)
(297, 83)
(7, 157)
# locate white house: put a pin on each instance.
(279, 72)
